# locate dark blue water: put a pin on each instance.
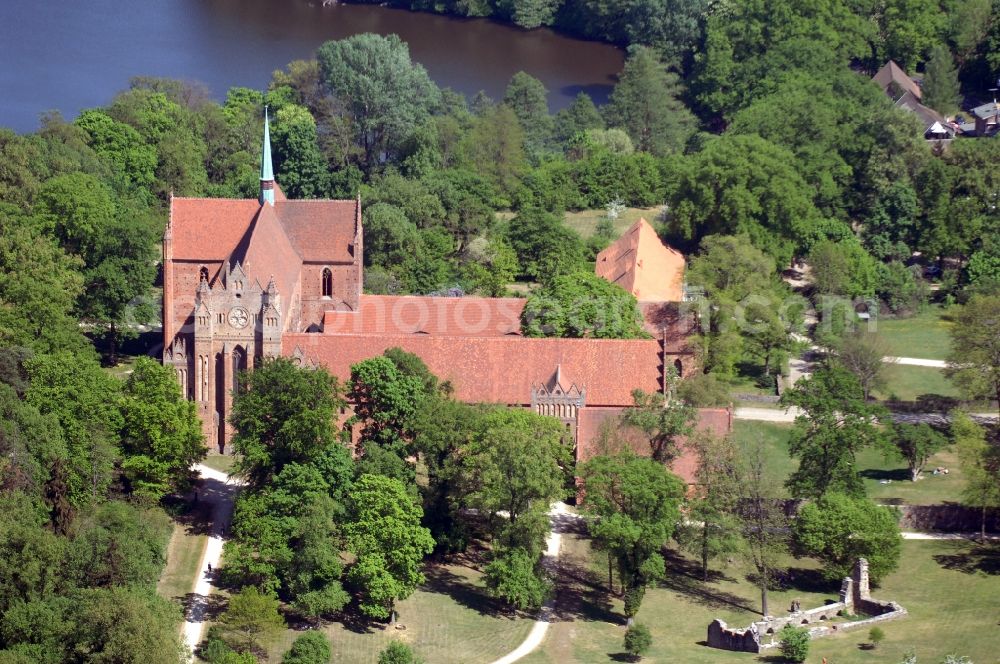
(77, 54)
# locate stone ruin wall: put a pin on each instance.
(855, 598)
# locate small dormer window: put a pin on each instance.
(203, 273)
(327, 282)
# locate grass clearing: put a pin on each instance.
(946, 586)
(924, 335)
(775, 439)
(449, 620)
(930, 489)
(906, 383)
(222, 462)
(184, 553)
(873, 464)
(585, 222)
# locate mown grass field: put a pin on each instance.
(585, 222)
(183, 555)
(949, 588)
(908, 383)
(449, 620)
(875, 466)
(924, 335)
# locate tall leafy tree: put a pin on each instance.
(517, 463)
(974, 361)
(85, 399)
(298, 162)
(577, 118)
(940, 85)
(662, 420)
(388, 543)
(646, 103)
(712, 529)
(161, 433)
(914, 444)
(744, 185)
(383, 91)
(839, 529)
(250, 617)
(526, 96)
(582, 305)
(282, 414)
(836, 423)
(981, 465)
(634, 505)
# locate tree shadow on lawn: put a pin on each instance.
(879, 474)
(440, 579)
(581, 594)
(971, 558)
(685, 577)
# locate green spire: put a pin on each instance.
(266, 170)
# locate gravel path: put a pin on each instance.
(219, 490)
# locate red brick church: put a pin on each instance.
(246, 279)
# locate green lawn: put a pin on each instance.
(183, 557)
(448, 621)
(775, 437)
(949, 588)
(221, 462)
(873, 465)
(907, 383)
(924, 335)
(584, 222)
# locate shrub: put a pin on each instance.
(638, 640)
(309, 648)
(876, 636)
(398, 652)
(795, 643)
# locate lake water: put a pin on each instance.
(73, 54)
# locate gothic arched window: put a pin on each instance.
(204, 273)
(327, 282)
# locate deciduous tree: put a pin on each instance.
(839, 529)
(974, 361)
(161, 433)
(388, 542)
(836, 423)
(634, 505)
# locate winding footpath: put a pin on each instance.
(535, 637)
(219, 489)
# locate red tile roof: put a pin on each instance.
(502, 369)
(591, 420)
(322, 231)
(210, 229)
(441, 316)
(269, 253)
(640, 263)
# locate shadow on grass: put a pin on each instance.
(685, 578)
(622, 657)
(894, 474)
(971, 558)
(440, 579)
(581, 595)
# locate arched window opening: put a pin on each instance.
(327, 282)
(679, 366)
(239, 366)
(203, 272)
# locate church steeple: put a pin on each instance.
(266, 170)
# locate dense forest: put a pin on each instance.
(751, 127)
